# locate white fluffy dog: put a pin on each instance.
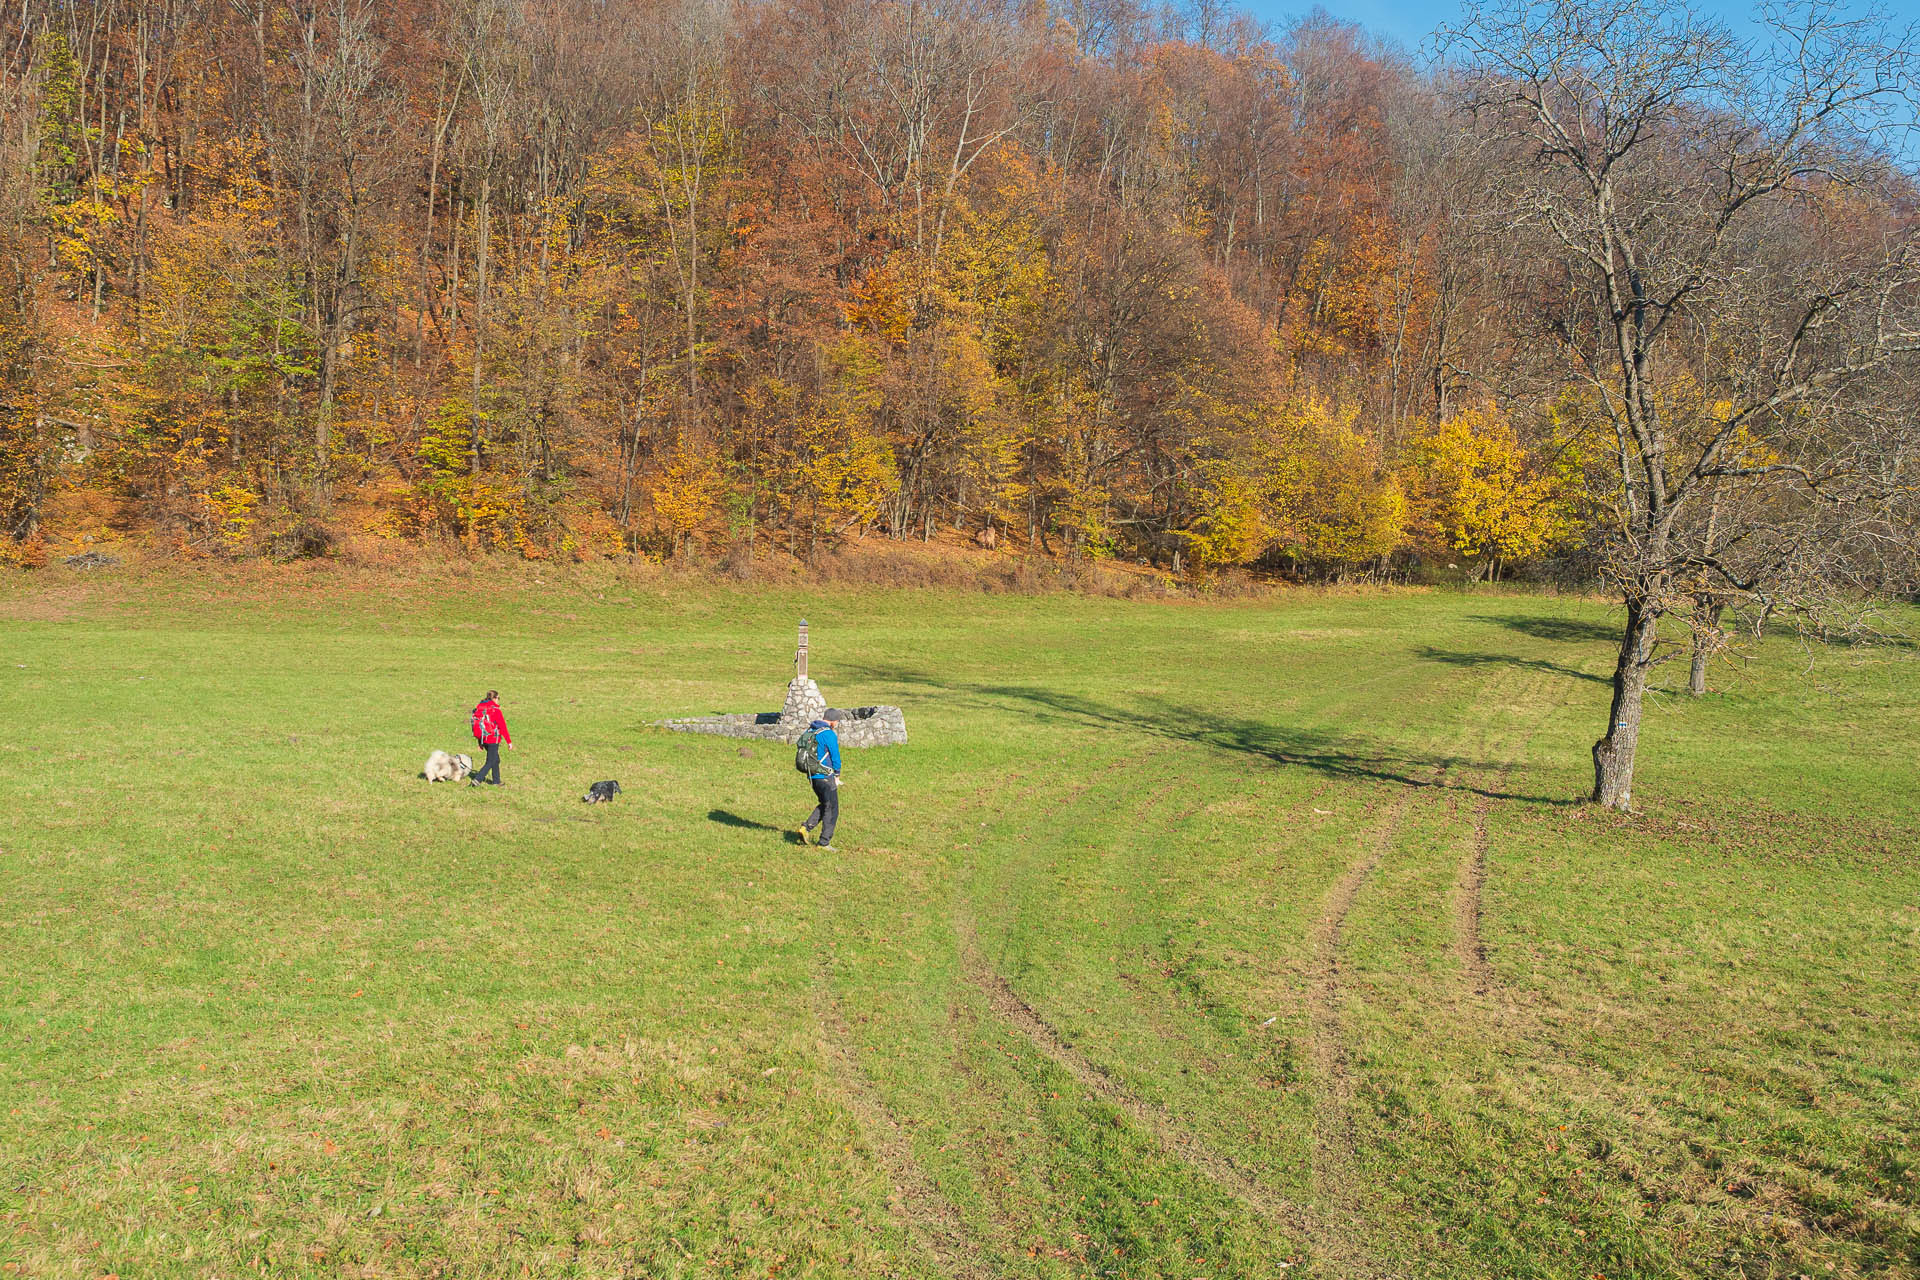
(442, 767)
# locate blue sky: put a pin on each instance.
(1409, 22)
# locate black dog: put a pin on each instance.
(601, 793)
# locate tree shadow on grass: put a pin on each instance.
(1333, 754)
(1861, 640)
(1576, 630)
(1455, 658)
(727, 818)
(1572, 630)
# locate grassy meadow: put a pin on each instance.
(1258, 938)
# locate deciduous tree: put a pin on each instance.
(1682, 183)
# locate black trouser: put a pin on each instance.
(827, 812)
(492, 766)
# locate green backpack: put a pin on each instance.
(806, 754)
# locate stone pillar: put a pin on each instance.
(805, 704)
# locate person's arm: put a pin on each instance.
(833, 752)
(500, 716)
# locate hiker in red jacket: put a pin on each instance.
(490, 730)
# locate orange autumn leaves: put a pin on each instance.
(593, 300)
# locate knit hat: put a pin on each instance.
(835, 713)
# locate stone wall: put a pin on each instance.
(874, 727)
(863, 727)
(765, 726)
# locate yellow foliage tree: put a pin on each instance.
(687, 493)
(1328, 499)
(1232, 525)
(1481, 493)
(996, 268)
(846, 470)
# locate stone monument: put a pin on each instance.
(862, 727)
(804, 700)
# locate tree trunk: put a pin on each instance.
(322, 453)
(428, 300)
(483, 246)
(1706, 639)
(1613, 754)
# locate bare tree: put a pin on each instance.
(484, 39)
(337, 148)
(1726, 334)
(27, 450)
(688, 118)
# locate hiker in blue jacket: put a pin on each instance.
(818, 755)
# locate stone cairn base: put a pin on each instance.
(863, 727)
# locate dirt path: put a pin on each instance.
(1470, 884)
(1470, 877)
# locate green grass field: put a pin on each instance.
(1185, 940)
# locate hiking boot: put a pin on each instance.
(827, 848)
(805, 834)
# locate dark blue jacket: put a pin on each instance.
(829, 746)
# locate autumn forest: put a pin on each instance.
(585, 277)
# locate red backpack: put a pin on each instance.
(483, 730)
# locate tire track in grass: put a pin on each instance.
(1470, 878)
(1324, 1227)
(1148, 1117)
(992, 798)
(929, 1218)
(1334, 1177)
(1007, 1005)
(1334, 1142)
(927, 1215)
(1470, 884)
(1316, 1226)
(1645, 1161)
